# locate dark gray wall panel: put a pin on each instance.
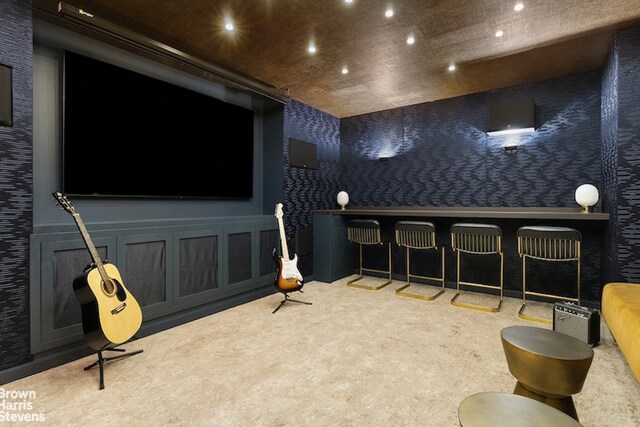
(269, 240)
(68, 265)
(239, 252)
(198, 264)
(16, 172)
(145, 275)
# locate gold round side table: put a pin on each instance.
(549, 366)
(489, 409)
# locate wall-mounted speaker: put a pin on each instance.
(6, 96)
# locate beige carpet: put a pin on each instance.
(353, 358)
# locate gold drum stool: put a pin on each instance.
(419, 235)
(491, 409)
(549, 366)
(367, 232)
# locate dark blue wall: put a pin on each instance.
(609, 108)
(441, 156)
(623, 153)
(16, 176)
(308, 190)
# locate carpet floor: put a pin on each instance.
(353, 358)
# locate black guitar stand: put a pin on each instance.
(101, 360)
(286, 298)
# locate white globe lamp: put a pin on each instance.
(343, 199)
(586, 196)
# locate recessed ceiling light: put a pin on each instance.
(228, 24)
(388, 13)
(411, 40)
(452, 67)
(348, 1)
(344, 70)
(518, 7)
(312, 48)
(499, 33)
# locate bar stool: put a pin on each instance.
(555, 244)
(367, 232)
(421, 236)
(477, 239)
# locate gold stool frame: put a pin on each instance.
(478, 239)
(555, 244)
(367, 232)
(421, 236)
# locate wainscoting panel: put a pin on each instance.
(57, 321)
(170, 268)
(268, 241)
(238, 257)
(142, 261)
(198, 272)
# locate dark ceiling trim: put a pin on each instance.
(207, 70)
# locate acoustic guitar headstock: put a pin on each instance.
(64, 202)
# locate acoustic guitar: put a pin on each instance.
(110, 314)
(288, 278)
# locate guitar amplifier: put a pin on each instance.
(579, 322)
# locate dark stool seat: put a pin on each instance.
(477, 239)
(554, 244)
(367, 232)
(418, 235)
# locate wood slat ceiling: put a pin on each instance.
(547, 39)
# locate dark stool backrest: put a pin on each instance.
(416, 234)
(549, 243)
(364, 231)
(476, 238)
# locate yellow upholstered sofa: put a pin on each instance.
(621, 312)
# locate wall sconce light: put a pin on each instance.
(343, 199)
(586, 196)
(511, 149)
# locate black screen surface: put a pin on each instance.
(129, 135)
(302, 154)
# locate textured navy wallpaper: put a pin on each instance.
(609, 111)
(16, 158)
(628, 153)
(308, 190)
(441, 156)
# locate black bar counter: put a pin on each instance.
(334, 257)
(472, 212)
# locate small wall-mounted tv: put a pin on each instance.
(130, 135)
(302, 154)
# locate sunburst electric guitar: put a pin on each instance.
(110, 314)
(289, 278)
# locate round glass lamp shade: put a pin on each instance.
(343, 199)
(586, 196)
